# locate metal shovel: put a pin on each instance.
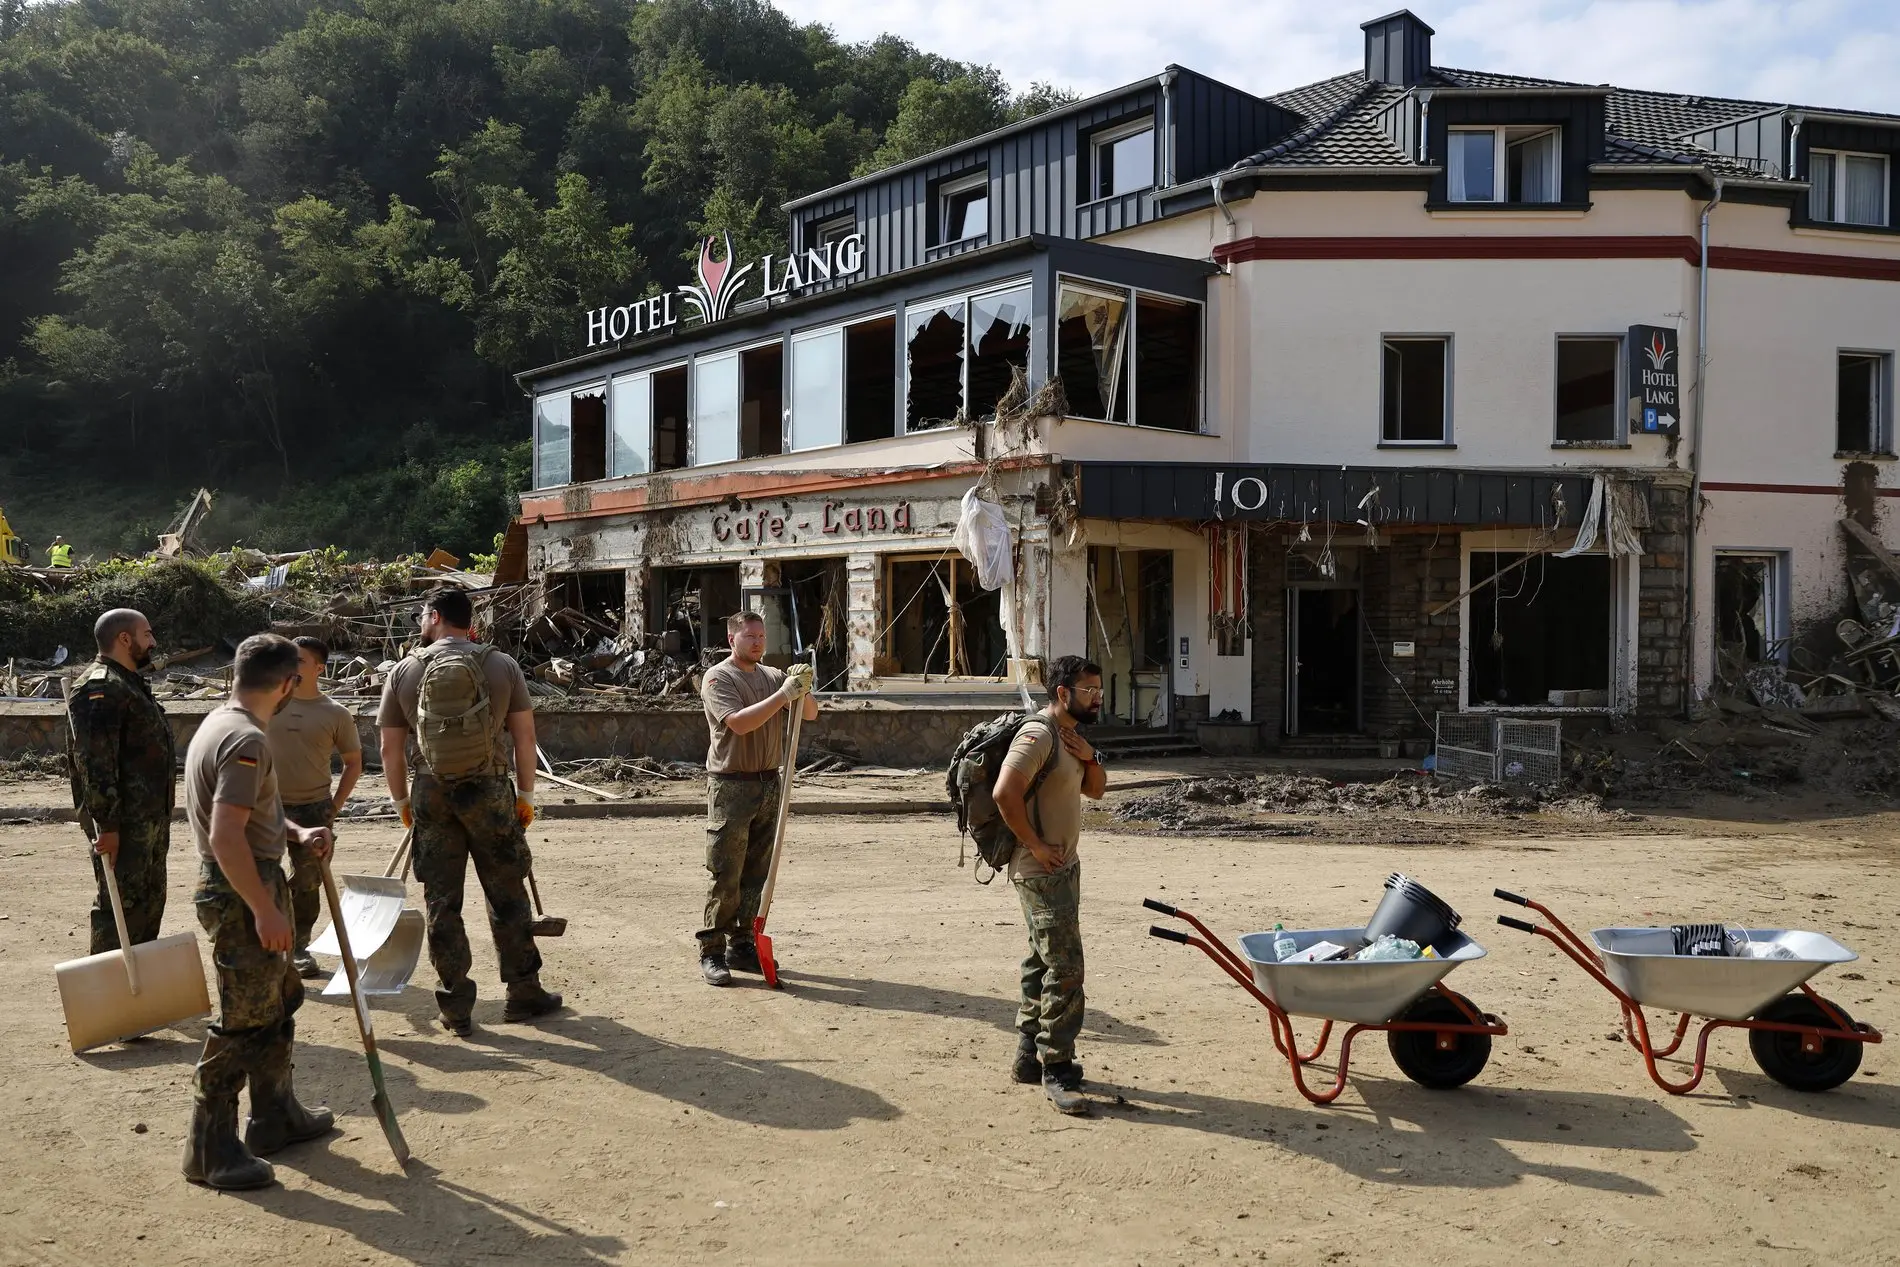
(385, 935)
(767, 962)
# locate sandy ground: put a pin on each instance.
(864, 1114)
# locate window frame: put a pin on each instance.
(1500, 163)
(1882, 420)
(1019, 282)
(839, 224)
(1448, 439)
(839, 328)
(653, 417)
(1837, 161)
(950, 189)
(889, 617)
(1131, 295)
(1106, 138)
(1780, 607)
(1619, 393)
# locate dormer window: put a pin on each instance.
(1508, 165)
(963, 207)
(1123, 159)
(1845, 188)
(827, 233)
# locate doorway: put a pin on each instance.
(1131, 632)
(1323, 654)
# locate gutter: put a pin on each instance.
(1694, 508)
(1694, 169)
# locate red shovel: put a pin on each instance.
(767, 962)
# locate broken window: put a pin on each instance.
(1540, 625)
(553, 435)
(589, 420)
(870, 380)
(762, 403)
(1167, 363)
(1091, 352)
(688, 608)
(806, 618)
(1860, 410)
(999, 343)
(933, 335)
(1415, 409)
(599, 596)
(1586, 389)
(631, 417)
(669, 419)
(1747, 612)
(940, 622)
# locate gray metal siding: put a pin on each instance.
(1760, 141)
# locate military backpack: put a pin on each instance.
(971, 783)
(453, 711)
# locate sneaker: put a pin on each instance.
(713, 968)
(1062, 1083)
(743, 956)
(1026, 1069)
(306, 966)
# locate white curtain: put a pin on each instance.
(1866, 201)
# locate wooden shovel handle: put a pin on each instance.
(786, 773)
(349, 957)
(110, 868)
(401, 857)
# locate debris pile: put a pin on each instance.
(1190, 803)
(1744, 751)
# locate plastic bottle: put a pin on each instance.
(1388, 947)
(1283, 945)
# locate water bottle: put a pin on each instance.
(1283, 944)
(1389, 948)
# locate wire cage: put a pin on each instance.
(1499, 750)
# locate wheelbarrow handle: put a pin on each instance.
(1503, 896)
(1522, 926)
(1168, 934)
(1163, 907)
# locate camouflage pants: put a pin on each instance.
(141, 876)
(258, 990)
(456, 821)
(741, 816)
(1052, 1007)
(306, 878)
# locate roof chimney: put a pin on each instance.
(1398, 49)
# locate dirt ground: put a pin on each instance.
(865, 1114)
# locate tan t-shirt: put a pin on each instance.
(229, 761)
(1056, 809)
(302, 737)
(726, 690)
(507, 693)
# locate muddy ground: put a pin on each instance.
(864, 1114)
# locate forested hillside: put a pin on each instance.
(294, 249)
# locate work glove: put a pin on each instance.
(797, 682)
(524, 809)
(407, 815)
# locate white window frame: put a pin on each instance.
(1447, 440)
(1837, 186)
(1500, 169)
(638, 383)
(832, 228)
(1106, 139)
(949, 190)
(1780, 607)
(1131, 295)
(1883, 403)
(1619, 394)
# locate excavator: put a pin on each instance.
(12, 549)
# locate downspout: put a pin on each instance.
(1690, 656)
(1794, 143)
(1424, 121)
(1167, 128)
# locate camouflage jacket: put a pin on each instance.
(120, 749)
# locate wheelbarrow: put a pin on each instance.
(1799, 1039)
(1438, 1038)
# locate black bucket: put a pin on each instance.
(1412, 911)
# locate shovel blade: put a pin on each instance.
(548, 926)
(98, 1000)
(768, 962)
(386, 972)
(372, 905)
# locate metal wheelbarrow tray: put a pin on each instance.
(1438, 1038)
(1798, 1038)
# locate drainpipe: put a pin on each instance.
(1220, 200)
(1424, 119)
(1689, 657)
(1794, 144)
(1167, 128)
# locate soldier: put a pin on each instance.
(303, 735)
(243, 900)
(120, 753)
(1047, 874)
(460, 700)
(743, 700)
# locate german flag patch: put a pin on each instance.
(248, 761)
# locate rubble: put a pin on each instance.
(1186, 805)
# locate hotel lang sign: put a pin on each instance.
(1655, 363)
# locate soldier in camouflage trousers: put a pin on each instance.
(306, 881)
(121, 755)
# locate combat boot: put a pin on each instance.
(1062, 1083)
(307, 966)
(214, 1156)
(743, 956)
(277, 1120)
(1026, 1068)
(527, 1000)
(712, 966)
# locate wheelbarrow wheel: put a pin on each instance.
(1418, 1055)
(1781, 1056)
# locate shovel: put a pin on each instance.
(379, 923)
(385, 1111)
(767, 963)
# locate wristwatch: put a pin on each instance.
(1095, 755)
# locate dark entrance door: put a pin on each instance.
(1323, 646)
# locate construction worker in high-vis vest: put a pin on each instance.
(60, 553)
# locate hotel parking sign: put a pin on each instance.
(1654, 378)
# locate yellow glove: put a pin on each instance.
(407, 815)
(524, 809)
(797, 682)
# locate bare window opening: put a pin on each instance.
(599, 596)
(1537, 627)
(999, 342)
(688, 608)
(870, 380)
(762, 401)
(590, 437)
(933, 336)
(1586, 389)
(806, 618)
(1167, 363)
(1747, 613)
(1092, 352)
(1414, 391)
(941, 624)
(1860, 410)
(669, 419)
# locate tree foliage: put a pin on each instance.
(297, 248)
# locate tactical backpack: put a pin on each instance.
(971, 783)
(453, 710)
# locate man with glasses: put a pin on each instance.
(303, 735)
(1047, 873)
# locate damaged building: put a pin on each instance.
(1326, 411)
